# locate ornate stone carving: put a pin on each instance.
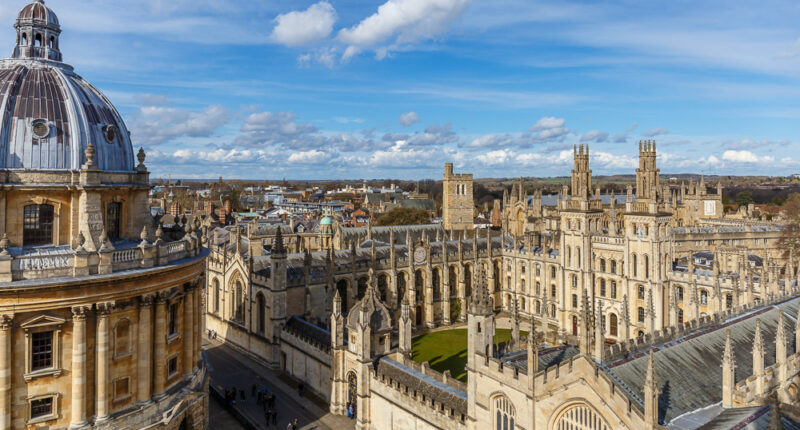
(103, 309)
(79, 312)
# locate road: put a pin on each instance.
(231, 369)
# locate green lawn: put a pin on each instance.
(447, 350)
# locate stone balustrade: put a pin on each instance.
(56, 262)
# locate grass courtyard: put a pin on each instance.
(447, 350)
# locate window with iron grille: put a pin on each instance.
(42, 350)
(41, 407)
(113, 211)
(37, 225)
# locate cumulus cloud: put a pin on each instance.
(605, 160)
(399, 22)
(494, 158)
(300, 28)
(745, 157)
(408, 119)
(547, 129)
(309, 157)
(492, 141)
(155, 125)
(595, 136)
(656, 131)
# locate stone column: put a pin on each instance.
(102, 375)
(160, 346)
(199, 319)
(188, 330)
(5, 371)
(78, 400)
(144, 352)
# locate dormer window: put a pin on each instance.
(41, 128)
(110, 133)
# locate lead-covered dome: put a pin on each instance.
(48, 114)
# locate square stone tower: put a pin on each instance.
(457, 201)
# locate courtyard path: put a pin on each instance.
(230, 369)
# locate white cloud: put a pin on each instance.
(494, 158)
(408, 119)
(300, 28)
(154, 125)
(656, 131)
(492, 141)
(595, 136)
(399, 22)
(609, 161)
(309, 157)
(745, 157)
(547, 129)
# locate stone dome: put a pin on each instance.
(49, 115)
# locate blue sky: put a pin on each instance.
(348, 89)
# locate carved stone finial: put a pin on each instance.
(4, 244)
(89, 152)
(141, 156)
(159, 232)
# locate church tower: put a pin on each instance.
(480, 337)
(647, 175)
(457, 201)
(581, 174)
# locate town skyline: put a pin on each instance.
(509, 87)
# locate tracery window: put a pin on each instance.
(552, 271)
(640, 292)
(613, 266)
(640, 313)
(538, 288)
(728, 301)
(602, 288)
(602, 264)
(574, 300)
(612, 322)
(703, 297)
(504, 413)
(574, 281)
(217, 297)
(679, 293)
(37, 225)
(613, 289)
(581, 417)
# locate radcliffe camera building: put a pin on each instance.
(99, 309)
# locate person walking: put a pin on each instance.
(275, 417)
(267, 416)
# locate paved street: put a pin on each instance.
(229, 369)
(221, 419)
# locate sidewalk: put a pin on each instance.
(231, 369)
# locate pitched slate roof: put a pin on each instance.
(689, 368)
(426, 385)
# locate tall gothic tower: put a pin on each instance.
(581, 174)
(647, 175)
(457, 202)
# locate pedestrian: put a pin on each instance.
(294, 424)
(351, 412)
(300, 389)
(275, 417)
(266, 417)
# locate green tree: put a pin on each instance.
(777, 201)
(404, 216)
(744, 198)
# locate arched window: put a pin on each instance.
(538, 288)
(679, 293)
(552, 271)
(52, 42)
(703, 297)
(37, 41)
(602, 288)
(728, 301)
(37, 225)
(640, 292)
(352, 390)
(553, 290)
(537, 307)
(613, 289)
(680, 316)
(217, 297)
(113, 213)
(538, 269)
(602, 264)
(504, 413)
(574, 281)
(435, 278)
(633, 265)
(581, 417)
(552, 311)
(453, 282)
(261, 305)
(574, 300)
(640, 314)
(341, 287)
(239, 302)
(522, 267)
(613, 266)
(24, 39)
(612, 323)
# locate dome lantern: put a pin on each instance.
(37, 33)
